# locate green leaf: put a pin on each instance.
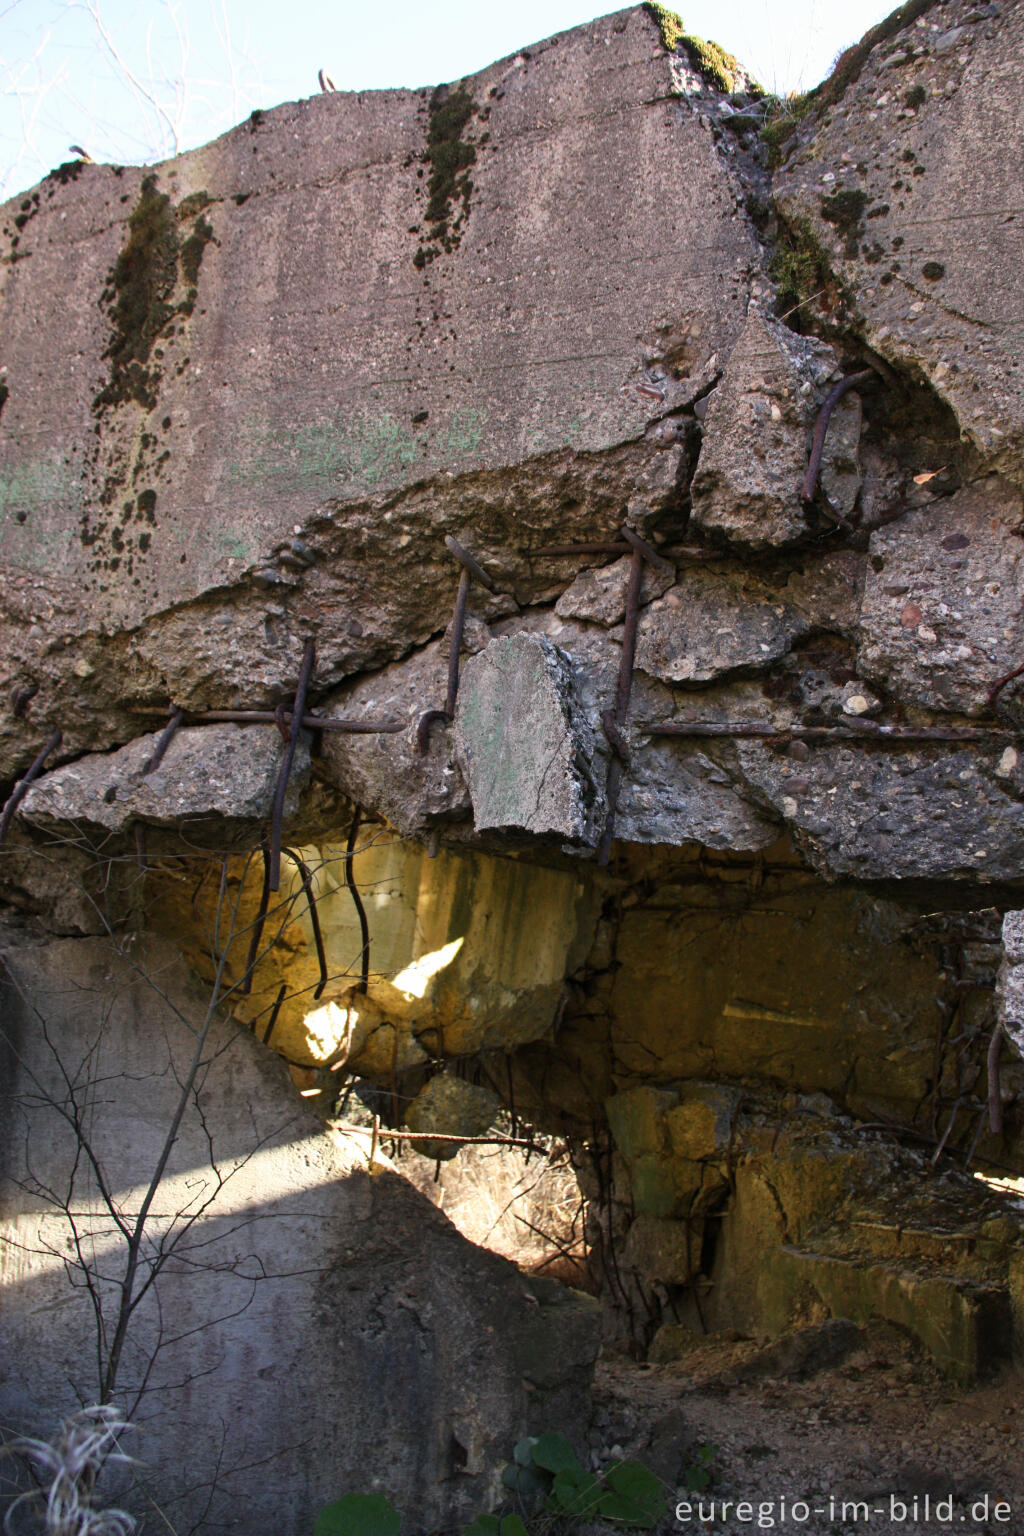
(575, 1492)
(513, 1526)
(484, 1525)
(554, 1454)
(523, 1453)
(701, 1472)
(358, 1514)
(635, 1497)
(525, 1481)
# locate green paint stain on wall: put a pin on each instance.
(365, 452)
(36, 497)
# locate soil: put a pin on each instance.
(877, 1432)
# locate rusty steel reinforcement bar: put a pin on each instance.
(832, 399)
(277, 814)
(471, 569)
(271, 717)
(166, 737)
(649, 553)
(458, 625)
(23, 785)
(1001, 682)
(314, 918)
(350, 881)
(466, 560)
(614, 720)
(683, 553)
(864, 732)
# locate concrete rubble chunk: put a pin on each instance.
(525, 747)
(903, 187)
(757, 434)
(224, 773)
(599, 596)
(451, 1106)
(708, 626)
(414, 790)
(931, 812)
(943, 610)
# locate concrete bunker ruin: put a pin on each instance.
(693, 839)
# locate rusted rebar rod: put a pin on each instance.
(277, 814)
(166, 737)
(595, 547)
(832, 399)
(282, 990)
(650, 554)
(270, 717)
(618, 714)
(23, 785)
(1001, 682)
(468, 563)
(615, 719)
(314, 918)
(866, 731)
(471, 569)
(684, 552)
(350, 881)
(458, 625)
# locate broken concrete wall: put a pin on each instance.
(616, 326)
(287, 1269)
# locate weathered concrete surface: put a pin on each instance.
(927, 811)
(944, 599)
(598, 595)
(307, 1293)
(709, 626)
(368, 387)
(222, 777)
(909, 184)
(757, 434)
(524, 743)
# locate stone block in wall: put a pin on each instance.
(663, 1250)
(524, 744)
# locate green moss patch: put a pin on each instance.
(450, 157)
(782, 118)
(669, 24)
(140, 296)
(710, 60)
(800, 270)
